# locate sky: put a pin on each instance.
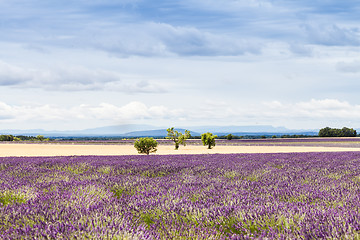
(78, 64)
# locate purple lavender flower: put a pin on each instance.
(220, 196)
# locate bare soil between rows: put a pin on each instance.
(19, 150)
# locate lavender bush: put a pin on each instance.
(231, 196)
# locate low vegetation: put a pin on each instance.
(10, 138)
(146, 145)
(229, 137)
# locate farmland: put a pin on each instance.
(166, 147)
(205, 196)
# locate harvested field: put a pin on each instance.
(33, 149)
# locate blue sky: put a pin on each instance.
(83, 64)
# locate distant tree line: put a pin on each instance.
(10, 138)
(6, 138)
(230, 136)
(335, 132)
(297, 136)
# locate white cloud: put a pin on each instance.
(107, 53)
(332, 35)
(306, 114)
(350, 67)
(309, 114)
(5, 112)
(162, 39)
(323, 109)
(324, 105)
(74, 78)
(229, 6)
(301, 49)
(274, 104)
(132, 111)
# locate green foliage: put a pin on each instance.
(224, 137)
(40, 137)
(208, 139)
(154, 174)
(229, 137)
(119, 192)
(6, 137)
(146, 145)
(178, 137)
(297, 136)
(26, 138)
(23, 138)
(10, 198)
(335, 132)
(149, 217)
(76, 169)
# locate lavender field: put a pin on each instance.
(353, 142)
(220, 196)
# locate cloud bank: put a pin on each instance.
(74, 78)
(327, 111)
(186, 62)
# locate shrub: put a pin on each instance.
(229, 137)
(208, 139)
(146, 145)
(40, 137)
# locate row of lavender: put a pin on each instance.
(232, 196)
(326, 142)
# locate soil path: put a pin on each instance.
(7, 150)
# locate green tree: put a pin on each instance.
(208, 139)
(229, 137)
(6, 138)
(146, 145)
(177, 137)
(335, 132)
(348, 132)
(326, 132)
(40, 137)
(17, 139)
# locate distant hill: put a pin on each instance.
(155, 133)
(116, 130)
(253, 130)
(139, 130)
(233, 129)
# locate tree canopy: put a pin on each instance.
(177, 137)
(208, 139)
(335, 132)
(146, 145)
